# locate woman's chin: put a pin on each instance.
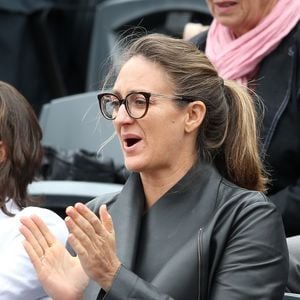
(133, 165)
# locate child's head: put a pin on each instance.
(20, 145)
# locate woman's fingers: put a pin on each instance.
(35, 259)
(48, 236)
(36, 246)
(106, 218)
(88, 233)
(78, 240)
(32, 247)
(94, 242)
(85, 219)
(33, 235)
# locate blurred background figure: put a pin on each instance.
(257, 43)
(45, 39)
(20, 159)
(55, 40)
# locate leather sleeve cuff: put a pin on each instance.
(123, 285)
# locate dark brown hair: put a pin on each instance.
(228, 135)
(21, 136)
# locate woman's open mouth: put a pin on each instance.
(131, 142)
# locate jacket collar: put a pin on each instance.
(197, 189)
(127, 214)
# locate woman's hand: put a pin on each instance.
(192, 29)
(94, 242)
(60, 274)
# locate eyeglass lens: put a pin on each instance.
(135, 103)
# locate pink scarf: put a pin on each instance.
(237, 58)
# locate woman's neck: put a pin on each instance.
(157, 184)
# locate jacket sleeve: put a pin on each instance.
(127, 285)
(284, 148)
(254, 264)
(288, 203)
(293, 285)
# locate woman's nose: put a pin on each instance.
(122, 115)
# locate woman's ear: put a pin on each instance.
(2, 152)
(195, 115)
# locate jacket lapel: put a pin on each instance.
(127, 213)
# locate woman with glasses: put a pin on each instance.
(191, 221)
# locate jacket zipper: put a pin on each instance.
(200, 291)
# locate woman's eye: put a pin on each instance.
(139, 101)
(114, 103)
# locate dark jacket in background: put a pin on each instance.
(44, 47)
(278, 85)
(204, 239)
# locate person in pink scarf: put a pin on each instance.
(257, 43)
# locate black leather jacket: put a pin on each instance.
(278, 85)
(204, 239)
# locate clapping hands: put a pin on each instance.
(93, 239)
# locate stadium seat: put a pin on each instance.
(57, 195)
(291, 296)
(75, 122)
(117, 18)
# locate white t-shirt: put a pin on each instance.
(18, 279)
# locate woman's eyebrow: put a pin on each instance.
(114, 91)
(129, 91)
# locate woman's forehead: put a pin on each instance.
(140, 72)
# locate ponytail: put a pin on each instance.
(241, 154)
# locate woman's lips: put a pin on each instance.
(224, 6)
(130, 141)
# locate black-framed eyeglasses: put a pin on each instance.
(136, 103)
